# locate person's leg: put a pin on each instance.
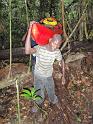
(39, 84)
(50, 88)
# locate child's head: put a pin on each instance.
(55, 41)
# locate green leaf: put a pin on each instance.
(37, 90)
(27, 91)
(26, 96)
(38, 97)
(33, 97)
(33, 91)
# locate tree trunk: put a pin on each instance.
(63, 20)
(81, 25)
(16, 52)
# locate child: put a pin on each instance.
(45, 57)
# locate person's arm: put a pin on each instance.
(62, 65)
(60, 59)
(28, 49)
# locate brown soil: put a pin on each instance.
(76, 97)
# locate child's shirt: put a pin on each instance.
(45, 60)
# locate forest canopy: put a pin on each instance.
(23, 11)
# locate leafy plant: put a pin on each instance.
(31, 94)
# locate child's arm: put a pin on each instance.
(28, 49)
(62, 65)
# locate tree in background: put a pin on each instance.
(38, 9)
